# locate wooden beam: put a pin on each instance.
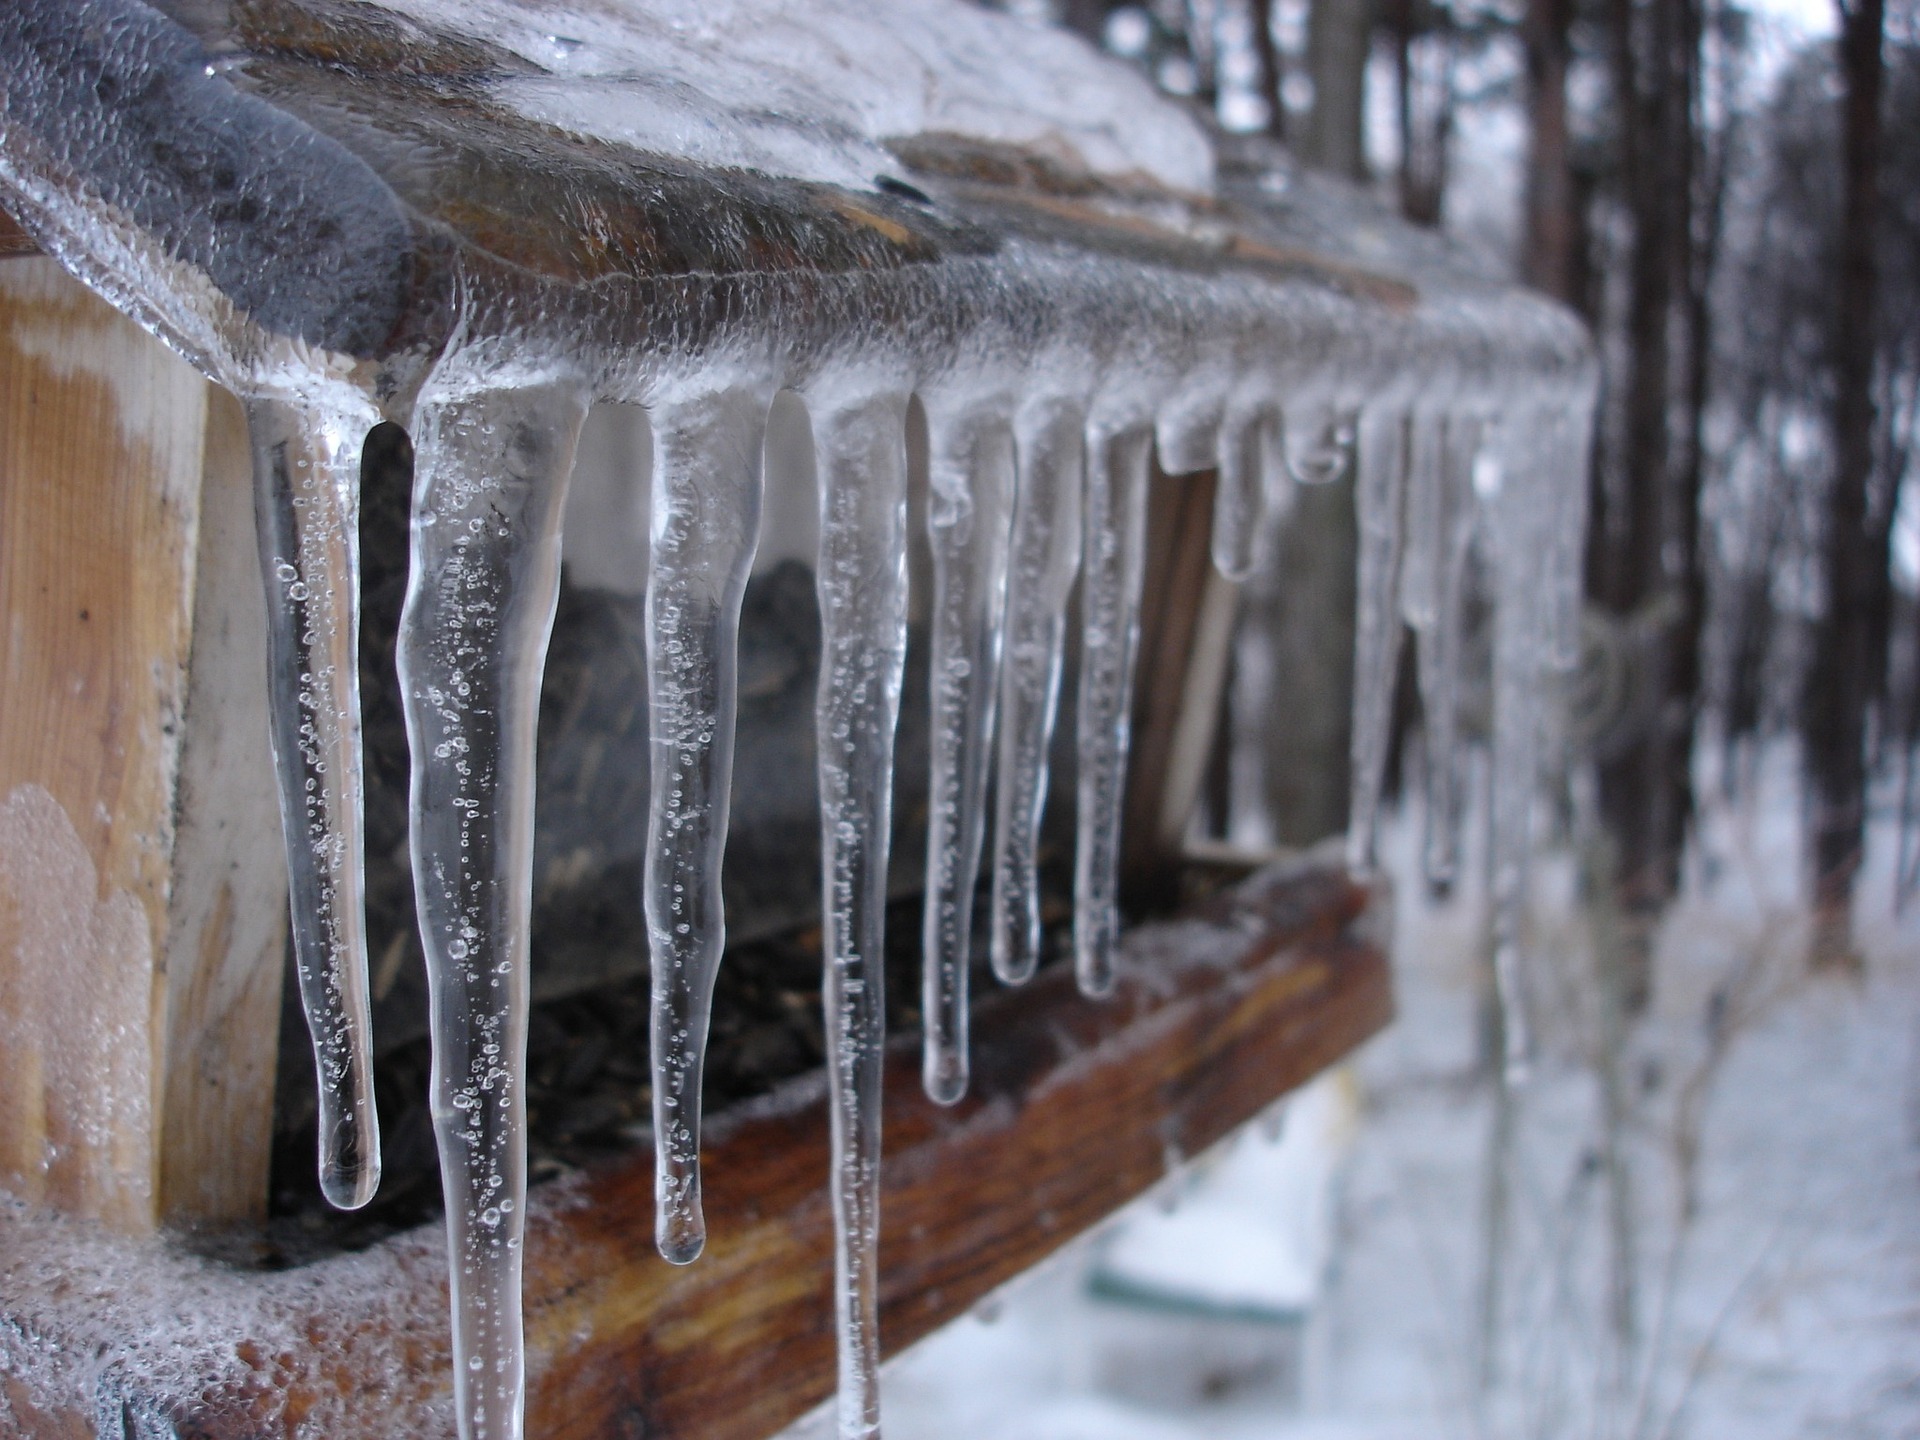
(106, 443)
(1077, 1107)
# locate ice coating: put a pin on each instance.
(860, 441)
(1521, 551)
(1440, 536)
(491, 465)
(1112, 566)
(814, 90)
(1240, 501)
(306, 459)
(969, 508)
(1043, 561)
(705, 524)
(1380, 489)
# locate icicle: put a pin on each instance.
(1044, 558)
(862, 580)
(1240, 501)
(1317, 444)
(489, 486)
(1566, 461)
(1518, 511)
(1114, 560)
(1444, 533)
(972, 485)
(1380, 482)
(306, 458)
(705, 523)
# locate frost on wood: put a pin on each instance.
(475, 219)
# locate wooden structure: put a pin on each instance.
(1075, 1109)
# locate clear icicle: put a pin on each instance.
(306, 458)
(1113, 564)
(862, 581)
(490, 482)
(706, 521)
(972, 485)
(1519, 550)
(1442, 631)
(1044, 558)
(1240, 501)
(1380, 482)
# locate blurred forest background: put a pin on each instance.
(1730, 196)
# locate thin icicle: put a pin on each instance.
(1380, 482)
(706, 521)
(1044, 558)
(862, 582)
(972, 488)
(1114, 561)
(1442, 636)
(1240, 500)
(306, 462)
(489, 486)
(1520, 552)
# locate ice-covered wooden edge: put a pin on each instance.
(1075, 1109)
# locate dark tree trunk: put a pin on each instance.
(1339, 34)
(1645, 552)
(1843, 677)
(1425, 111)
(1273, 67)
(1554, 261)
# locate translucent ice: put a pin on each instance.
(1380, 486)
(1113, 564)
(971, 471)
(705, 521)
(1043, 562)
(491, 466)
(860, 437)
(306, 456)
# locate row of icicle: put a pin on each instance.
(1023, 501)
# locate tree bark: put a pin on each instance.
(1339, 33)
(1841, 680)
(1645, 551)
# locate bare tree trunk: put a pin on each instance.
(1425, 105)
(1646, 539)
(1273, 67)
(1555, 229)
(1339, 34)
(1842, 680)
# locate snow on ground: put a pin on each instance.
(1787, 1307)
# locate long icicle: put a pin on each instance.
(706, 522)
(862, 582)
(306, 459)
(1442, 646)
(1044, 558)
(1520, 640)
(489, 487)
(1379, 480)
(1240, 499)
(1114, 563)
(972, 486)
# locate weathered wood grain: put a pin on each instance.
(106, 442)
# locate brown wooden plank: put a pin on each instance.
(141, 891)
(100, 467)
(227, 911)
(1077, 1108)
